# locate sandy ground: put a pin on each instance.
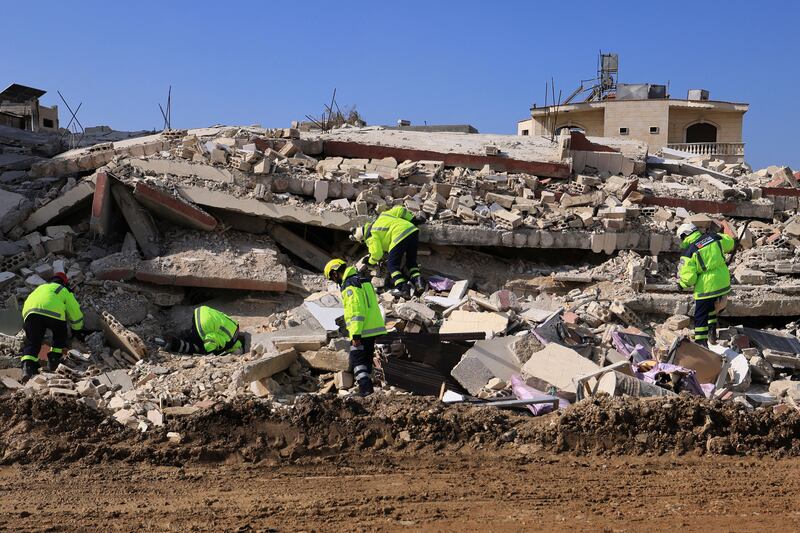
(462, 492)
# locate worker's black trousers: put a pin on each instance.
(705, 320)
(187, 341)
(406, 248)
(35, 328)
(361, 363)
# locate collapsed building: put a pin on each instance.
(549, 265)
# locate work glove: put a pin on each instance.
(362, 264)
(79, 335)
(419, 219)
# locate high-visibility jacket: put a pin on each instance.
(219, 332)
(702, 264)
(362, 315)
(388, 230)
(56, 301)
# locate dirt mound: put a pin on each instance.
(670, 425)
(47, 430)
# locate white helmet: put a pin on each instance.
(686, 229)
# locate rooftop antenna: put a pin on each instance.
(167, 115)
(74, 125)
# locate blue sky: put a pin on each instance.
(482, 63)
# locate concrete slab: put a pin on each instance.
(173, 208)
(558, 366)
(71, 201)
(228, 261)
(252, 206)
(13, 209)
(139, 221)
(326, 310)
(183, 168)
(298, 246)
(102, 205)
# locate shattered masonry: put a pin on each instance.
(244, 218)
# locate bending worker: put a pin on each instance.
(49, 306)
(211, 331)
(703, 267)
(395, 233)
(363, 318)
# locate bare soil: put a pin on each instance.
(391, 463)
(465, 491)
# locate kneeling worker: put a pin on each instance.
(363, 318)
(395, 233)
(703, 267)
(49, 306)
(211, 331)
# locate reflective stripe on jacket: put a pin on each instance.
(56, 301)
(218, 331)
(388, 230)
(362, 315)
(703, 267)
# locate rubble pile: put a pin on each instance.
(147, 227)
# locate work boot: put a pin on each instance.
(404, 290)
(420, 284)
(29, 369)
(365, 387)
(53, 360)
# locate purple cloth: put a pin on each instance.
(640, 352)
(438, 283)
(690, 382)
(523, 391)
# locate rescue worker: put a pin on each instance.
(211, 332)
(50, 306)
(363, 319)
(394, 234)
(703, 267)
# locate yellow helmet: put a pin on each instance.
(332, 266)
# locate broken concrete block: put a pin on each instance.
(265, 388)
(120, 337)
(416, 312)
(502, 199)
(558, 366)
(327, 360)
(493, 358)
(507, 219)
(472, 322)
(343, 380)
(14, 208)
(264, 367)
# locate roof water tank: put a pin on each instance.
(657, 91)
(697, 94)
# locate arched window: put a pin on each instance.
(702, 132)
(570, 128)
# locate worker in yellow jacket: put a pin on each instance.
(363, 318)
(394, 235)
(51, 306)
(702, 267)
(211, 331)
